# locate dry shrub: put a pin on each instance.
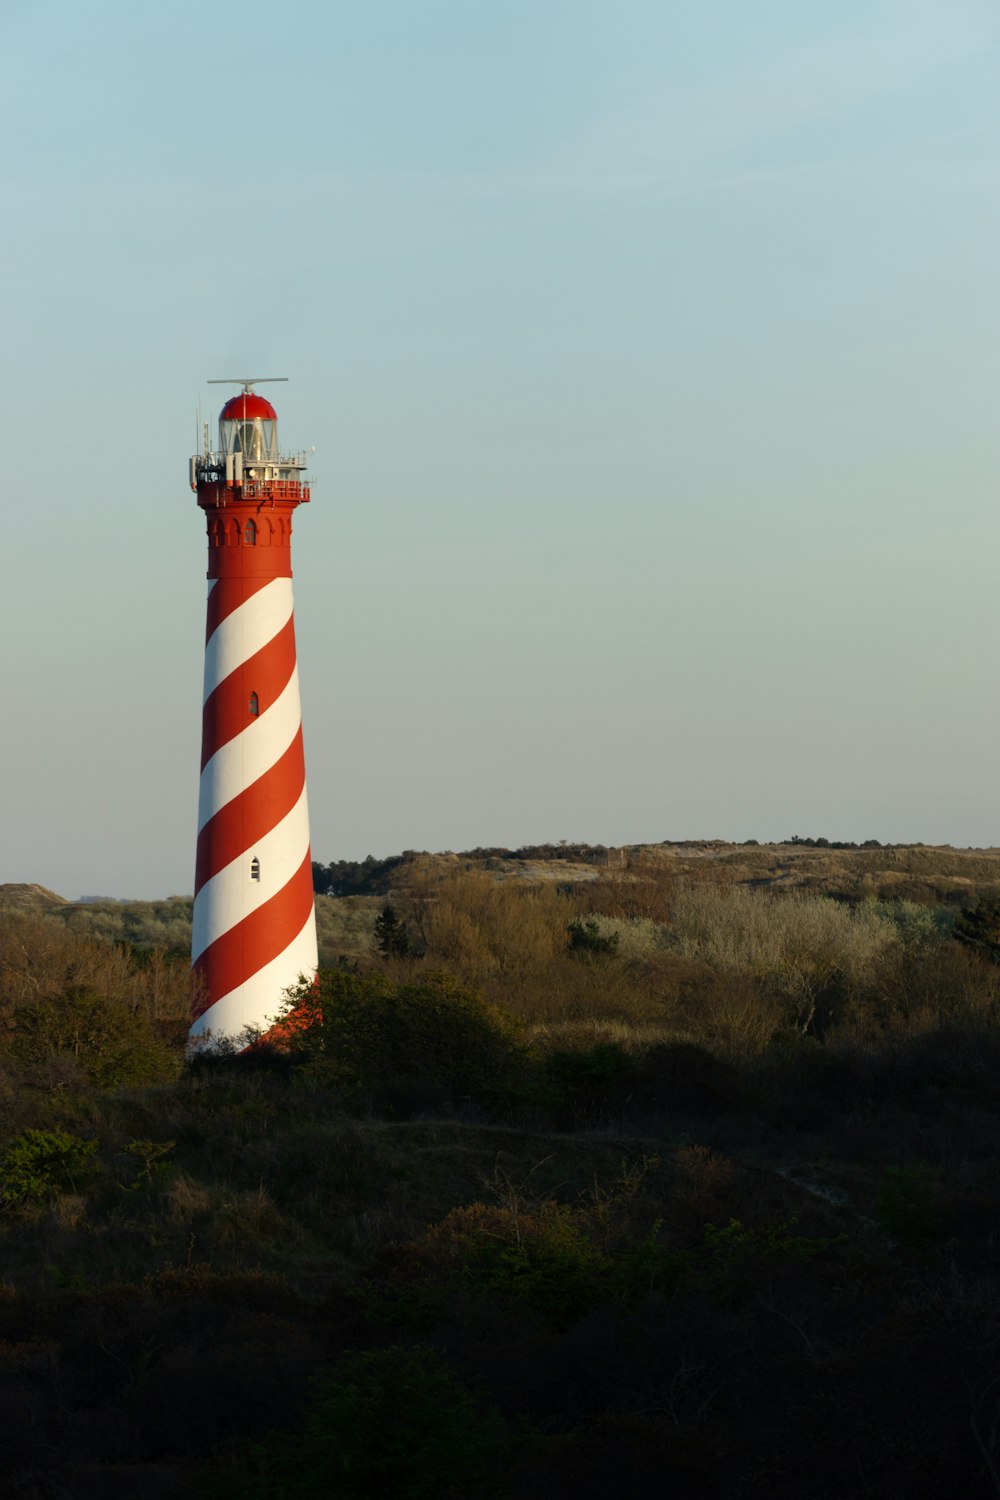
(733, 1015)
(345, 925)
(186, 1199)
(41, 958)
(486, 929)
(796, 947)
(630, 1036)
(791, 937)
(69, 1210)
(542, 1254)
(642, 894)
(920, 990)
(245, 1215)
(703, 1183)
(572, 989)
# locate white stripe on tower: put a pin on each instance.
(226, 898)
(244, 632)
(251, 753)
(255, 997)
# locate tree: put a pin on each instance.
(979, 926)
(393, 935)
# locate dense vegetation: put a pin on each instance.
(672, 1176)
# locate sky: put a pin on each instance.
(650, 350)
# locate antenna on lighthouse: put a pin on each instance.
(248, 382)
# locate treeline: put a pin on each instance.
(820, 843)
(375, 877)
(371, 876)
(364, 877)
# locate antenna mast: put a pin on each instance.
(248, 382)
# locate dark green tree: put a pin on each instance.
(979, 926)
(392, 934)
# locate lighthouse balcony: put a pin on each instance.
(272, 489)
(279, 479)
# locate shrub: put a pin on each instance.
(145, 1161)
(585, 933)
(485, 929)
(589, 1081)
(38, 1163)
(388, 1424)
(542, 1257)
(559, 1261)
(587, 1071)
(909, 1207)
(371, 1032)
(113, 1044)
(809, 952)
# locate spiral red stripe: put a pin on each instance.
(227, 712)
(263, 936)
(226, 595)
(245, 820)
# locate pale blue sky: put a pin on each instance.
(650, 351)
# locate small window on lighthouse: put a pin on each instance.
(254, 705)
(255, 869)
(250, 534)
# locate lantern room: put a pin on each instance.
(248, 425)
(247, 465)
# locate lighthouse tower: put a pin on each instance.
(254, 920)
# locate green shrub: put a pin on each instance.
(542, 1258)
(585, 933)
(372, 1033)
(145, 1162)
(908, 1206)
(738, 1241)
(557, 1260)
(588, 1077)
(39, 1163)
(114, 1045)
(388, 1424)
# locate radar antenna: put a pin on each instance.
(248, 382)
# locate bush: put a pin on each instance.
(585, 933)
(542, 1257)
(908, 1206)
(114, 1045)
(556, 1260)
(491, 930)
(39, 1163)
(372, 1033)
(388, 1424)
(587, 1071)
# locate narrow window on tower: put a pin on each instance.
(254, 705)
(250, 534)
(255, 869)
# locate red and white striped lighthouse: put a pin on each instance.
(254, 918)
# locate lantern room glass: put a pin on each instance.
(256, 438)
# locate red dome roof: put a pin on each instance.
(245, 406)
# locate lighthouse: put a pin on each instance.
(254, 931)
